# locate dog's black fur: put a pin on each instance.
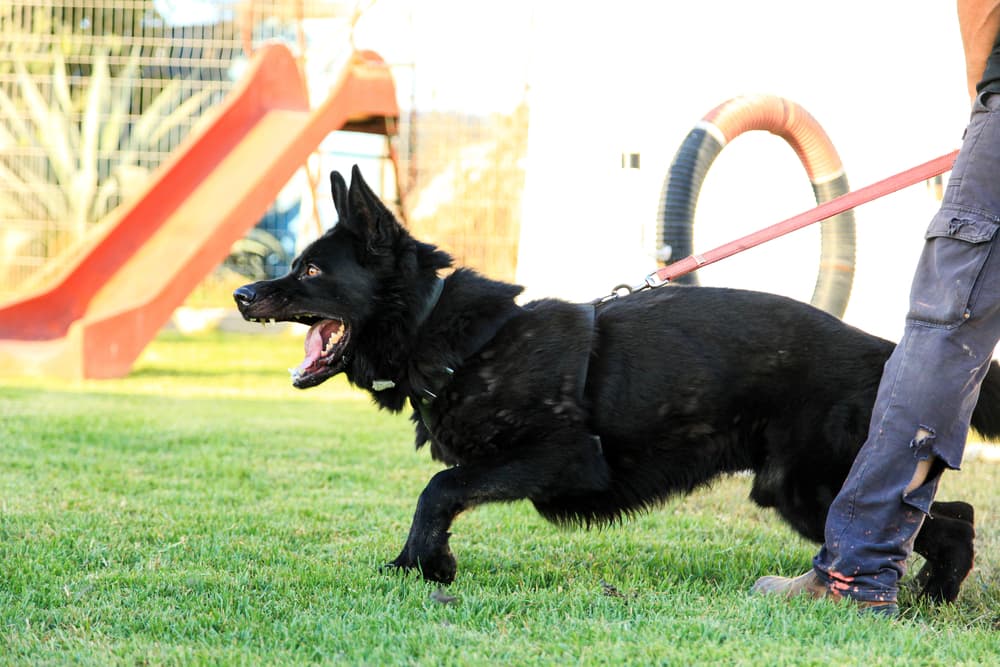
(592, 413)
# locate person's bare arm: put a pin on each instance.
(979, 22)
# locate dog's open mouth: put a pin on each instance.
(325, 346)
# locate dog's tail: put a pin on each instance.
(986, 416)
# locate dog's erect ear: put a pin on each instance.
(339, 190)
(369, 218)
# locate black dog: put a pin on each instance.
(592, 412)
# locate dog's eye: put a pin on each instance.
(311, 271)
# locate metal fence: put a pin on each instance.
(95, 94)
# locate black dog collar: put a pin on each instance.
(425, 312)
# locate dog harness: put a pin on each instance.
(439, 381)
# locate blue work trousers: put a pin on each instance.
(931, 382)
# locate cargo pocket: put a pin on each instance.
(944, 285)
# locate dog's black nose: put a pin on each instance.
(245, 295)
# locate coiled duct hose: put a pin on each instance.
(799, 129)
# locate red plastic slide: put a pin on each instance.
(93, 315)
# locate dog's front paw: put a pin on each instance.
(439, 566)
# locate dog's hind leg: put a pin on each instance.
(945, 540)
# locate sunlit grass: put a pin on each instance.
(203, 511)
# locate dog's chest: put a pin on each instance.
(494, 409)
(521, 387)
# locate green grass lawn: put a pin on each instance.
(202, 511)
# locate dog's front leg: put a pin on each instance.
(427, 544)
(449, 493)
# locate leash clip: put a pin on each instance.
(653, 280)
(619, 291)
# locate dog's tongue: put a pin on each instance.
(316, 339)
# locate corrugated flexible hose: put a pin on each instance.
(800, 130)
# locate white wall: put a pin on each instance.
(885, 80)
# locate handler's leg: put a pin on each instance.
(920, 426)
(929, 387)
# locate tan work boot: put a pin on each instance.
(811, 585)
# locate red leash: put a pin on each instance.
(822, 212)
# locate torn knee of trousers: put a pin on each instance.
(922, 442)
(925, 446)
(922, 445)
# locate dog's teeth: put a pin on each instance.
(272, 320)
(333, 340)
